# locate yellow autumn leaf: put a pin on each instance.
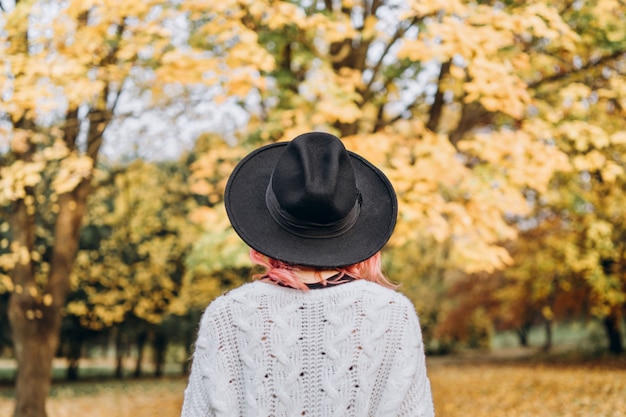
(611, 171)
(618, 138)
(72, 171)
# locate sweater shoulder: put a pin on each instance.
(222, 302)
(252, 292)
(391, 295)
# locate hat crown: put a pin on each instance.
(311, 202)
(314, 180)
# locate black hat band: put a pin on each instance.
(310, 229)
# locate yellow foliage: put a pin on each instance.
(196, 294)
(575, 92)
(72, 171)
(6, 284)
(335, 95)
(528, 124)
(618, 138)
(178, 66)
(77, 308)
(432, 7)
(137, 269)
(493, 85)
(283, 14)
(523, 156)
(611, 172)
(584, 135)
(423, 171)
(15, 177)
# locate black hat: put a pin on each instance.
(311, 202)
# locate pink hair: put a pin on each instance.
(282, 273)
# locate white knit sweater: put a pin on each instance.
(353, 349)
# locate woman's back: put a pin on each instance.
(353, 349)
(311, 212)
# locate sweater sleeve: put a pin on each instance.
(206, 395)
(408, 392)
(196, 401)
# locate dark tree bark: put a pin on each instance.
(614, 334)
(189, 337)
(74, 352)
(436, 109)
(36, 318)
(31, 323)
(35, 313)
(522, 334)
(35, 342)
(547, 345)
(159, 344)
(119, 353)
(142, 338)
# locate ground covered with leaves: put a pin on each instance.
(460, 389)
(533, 390)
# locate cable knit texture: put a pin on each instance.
(350, 350)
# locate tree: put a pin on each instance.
(588, 124)
(424, 90)
(468, 106)
(436, 94)
(130, 267)
(218, 260)
(540, 287)
(571, 254)
(65, 67)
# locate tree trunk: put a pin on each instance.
(522, 334)
(72, 369)
(189, 335)
(34, 327)
(186, 365)
(159, 345)
(35, 322)
(547, 345)
(142, 337)
(73, 356)
(119, 354)
(36, 317)
(35, 340)
(614, 334)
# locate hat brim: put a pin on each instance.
(244, 199)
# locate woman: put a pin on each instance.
(322, 332)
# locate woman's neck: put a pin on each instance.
(311, 276)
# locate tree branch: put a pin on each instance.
(437, 108)
(564, 74)
(71, 128)
(471, 114)
(376, 68)
(371, 11)
(380, 123)
(567, 7)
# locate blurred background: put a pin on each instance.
(502, 125)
